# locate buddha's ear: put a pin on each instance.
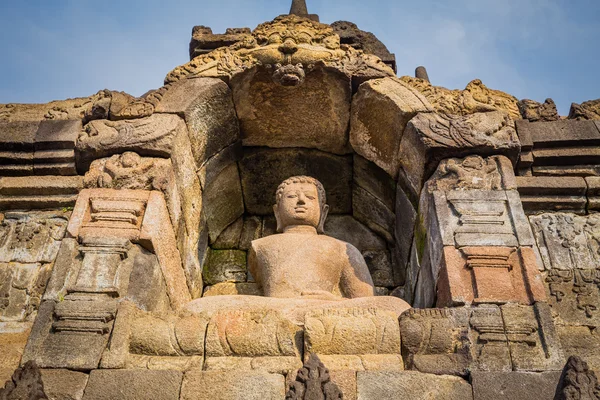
(324, 212)
(276, 212)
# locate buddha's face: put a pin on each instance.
(299, 205)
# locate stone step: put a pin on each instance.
(55, 169)
(558, 133)
(36, 202)
(15, 157)
(546, 185)
(576, 204)
(16, 169)
(567, 156)
(54, 156)
(40, 185)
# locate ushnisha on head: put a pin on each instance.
(300, 201)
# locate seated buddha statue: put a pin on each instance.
(301, 268)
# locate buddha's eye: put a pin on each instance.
(291, 196)
(311, 197)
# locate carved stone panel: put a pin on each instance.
(570, 249)
(29, 244)
(484, 338)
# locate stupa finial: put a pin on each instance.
(299, 8)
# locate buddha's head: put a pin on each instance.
(300, 200)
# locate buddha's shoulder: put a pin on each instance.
(290, 238)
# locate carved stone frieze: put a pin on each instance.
(101, 105)
(287, 40)
(476, 97)
(130, 171)
(29, 243)
(430, 137)
(485, 338)
(570, 249)
(152, 136)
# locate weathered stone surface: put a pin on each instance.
(219, 385)
(225, 266)
(46, 186)
(348, 229)
(514, 385)
(375, 181)
(410, 385)
(151, 136)
(533, 111)
(314, 114)
(473, 172)
(230, 237)
(12, 345)
(380, 112)
(207, 106)
(559, 133)
(351, 35)
(593, 192)
(313, 382)
(210, 170)
(204, 40)
(489, 274)
(158, 334)
(62, 384)
(252, 334)
(586, 110)
(98, 106)
(434, 341)
(485, 338)
(26, 383)
(474, 99)
(582, 341)
(18, 136)
(223, 201)
(577, 381)
(351, 332)
(557, 193)
(318, 48)
(192, 235)
(251, 231)
(568, 247)
(53, 135)
(380, 267)
(133, 385)
(480, 218)
(130, 171)
(262, 170)
(429, 138)
(373, 213)
(230, 289)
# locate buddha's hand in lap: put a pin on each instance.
(320, 295)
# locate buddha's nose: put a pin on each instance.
(301, 198)
(288, 47)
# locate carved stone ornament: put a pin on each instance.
(476, 97)
(313, 383)
(286, 41)
(577, 382)
(570, 248)
(25, 384)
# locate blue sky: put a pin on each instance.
(529, 48)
